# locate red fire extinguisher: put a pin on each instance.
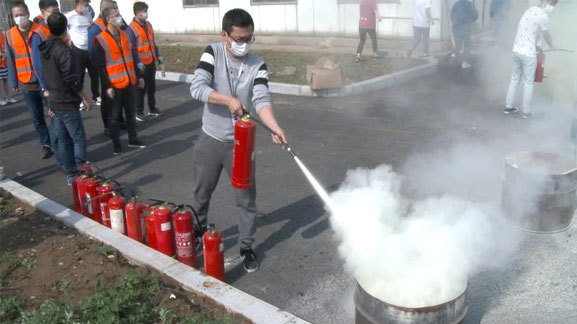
(135, 221)
(540, 71)
(84, 170)
(105, 206)
(213, 253)
(184, 234)
(116, 209)
(150, 227)
(243, 153)
(163, 229)
(103, 194)
(86, 194)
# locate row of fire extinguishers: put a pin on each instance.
(165, 227)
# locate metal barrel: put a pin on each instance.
(370, 310)
(539, 191)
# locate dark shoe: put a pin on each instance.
(527, 114)
(141, 118)
(46, 152)
(249, 260)
(512, 110)
(136, 143)
(117, 149)
(198, 235)
(154, 113)
(107, 132)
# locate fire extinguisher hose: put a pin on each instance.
(258, 121)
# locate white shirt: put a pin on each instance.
(533, 23)
(78, 28)
(420, 18)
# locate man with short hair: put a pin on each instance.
(64, 95)
(229, 79)
(22, 75)
(144, 49)
(119, 76)
(79, 20)
(533, 24)
(422, 22)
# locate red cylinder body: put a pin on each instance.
(540, 71)
(243, 153)
(92, 206)
(75, 197)
(81, 192)
(213, 253)
(150, 227)
(86, 167)
(116, 208)
(135, 220)
(184, 237)
(104, 193)
(163, 229)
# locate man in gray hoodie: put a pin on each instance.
(229, 79)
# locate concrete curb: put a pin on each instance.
(234, 300)
(378, 83)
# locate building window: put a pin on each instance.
(199, 3)
(271, 2)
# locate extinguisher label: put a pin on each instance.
(88, 203)
(117, 220)
(165, 226)
(221, 247)
(184, 244)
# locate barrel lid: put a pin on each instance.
(540, 162)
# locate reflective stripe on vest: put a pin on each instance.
(2, 51)
(144, 42)
(119, 62)
(22, 53)
(43, 32)
(99, 22)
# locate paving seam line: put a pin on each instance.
(361, 87)
(231, 298)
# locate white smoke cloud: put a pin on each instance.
(418, 255)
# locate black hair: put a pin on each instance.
(20, 4)
(44, 4)
(236, 17)
(106, 13)
(139, 6)
(57, 23)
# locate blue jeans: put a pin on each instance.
(71, 138)
(462, 38)
(36, 108)
(421, 33)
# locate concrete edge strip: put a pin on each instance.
(231, 298)
(377, 83)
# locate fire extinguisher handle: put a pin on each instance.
(195, 214)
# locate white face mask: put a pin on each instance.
(239, 49)
(20, 20)
(118, 21)
(86, 11)
(548, 8)
(144, 15)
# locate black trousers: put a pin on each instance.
(149, 89)
(82, 63)
(105, 107)
(363, 34)
(123, 98)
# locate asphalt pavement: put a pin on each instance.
(301, 271)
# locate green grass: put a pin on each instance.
(291, 67)
(105, 250)
(6, 207)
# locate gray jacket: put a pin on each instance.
(212, 74)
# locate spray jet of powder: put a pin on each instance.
(418, 256)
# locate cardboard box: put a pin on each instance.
(325, 74)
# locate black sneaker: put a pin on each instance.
(249, 260)
(512, 110)
(136, 143)
(46, 152)
(198, 235)
(154, 113)
(117, 149)
(140, 117)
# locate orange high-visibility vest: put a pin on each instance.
(22, 52)
(43, 32)
(119, 62)
(39, 19)
(144, 42)
(100, 23)
(2, 50)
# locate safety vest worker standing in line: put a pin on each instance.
(113, 55)
(144, 49)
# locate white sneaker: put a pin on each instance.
(97, 102)
(465, 65)
(11, 100)
(3, 103)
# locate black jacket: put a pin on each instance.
(60, 75)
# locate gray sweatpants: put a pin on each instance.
(209, 157)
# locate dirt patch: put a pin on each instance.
(42, 260)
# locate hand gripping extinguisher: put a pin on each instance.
(540, 70)
(243, 153)
(213, 253)
(184, 234)
(116, 209)
(135, 225)
(163, 229)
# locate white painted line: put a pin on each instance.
(232, 299)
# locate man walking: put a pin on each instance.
(533, 24)
(21, 73)
(113, 56)
(64, 95)
(145, 51)
(369, 14)
(422, 22)
(230, 78)
(463, 15)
